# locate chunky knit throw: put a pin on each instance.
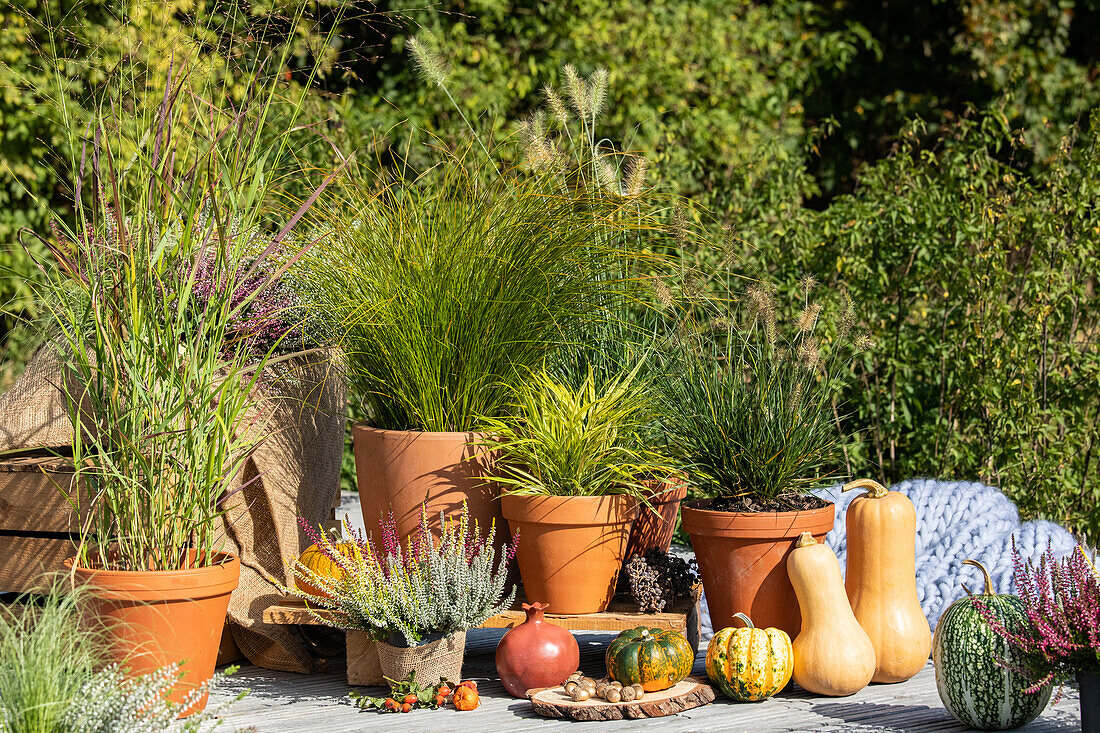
(956, 520)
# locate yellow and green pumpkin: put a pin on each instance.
(750, 664)
(654, 658)
(315, 559)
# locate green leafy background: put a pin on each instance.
(936, 158)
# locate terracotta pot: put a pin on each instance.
(570, 547)
(654, 527)
(536, 654)
(743, 560)
(400, 470)
(159, 617)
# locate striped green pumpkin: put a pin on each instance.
(974, 688)
(654, 658)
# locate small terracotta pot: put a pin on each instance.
(743, 560)
(654, 527)
(536, 654)
(571, 548)
(401, 469)
(155, 618)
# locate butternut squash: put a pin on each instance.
(881, 580)
(832, 654)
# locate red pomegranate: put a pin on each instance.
(536, 653)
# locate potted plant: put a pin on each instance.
(751, 413)
(165, 310)
(446, 289)
(569, 460)
(416, 599)
(1060, 640)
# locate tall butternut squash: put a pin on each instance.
(832, 654)
(881, 580)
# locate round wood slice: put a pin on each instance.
(552, 702)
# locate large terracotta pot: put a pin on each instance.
(743, 561)
(400, 470)
(571, 548)
(536, 654)
(159, 617)
(655, 525)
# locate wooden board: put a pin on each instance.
(552, 702)
(23, 560)
(618, 617)
(31, 497)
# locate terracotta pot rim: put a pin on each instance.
(419, 434)
(188, 584)
(699, 521)
(564, 510)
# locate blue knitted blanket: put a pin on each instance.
(956, 520)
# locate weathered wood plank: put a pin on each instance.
(618, 617)
(31, 497)
(24, 560)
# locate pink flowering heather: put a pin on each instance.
(1062, 600)
(268, 321)
(436, 583)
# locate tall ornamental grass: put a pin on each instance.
(164, 305)
(449, 286)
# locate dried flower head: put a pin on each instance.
(430, 65)
(762, 309)
(635, 175)
(809, 353)
(663, 293)
(807, 284)
(808, 318)
(576, 89)
(596, 95)
(557, 106)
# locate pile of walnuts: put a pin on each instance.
(581, 688)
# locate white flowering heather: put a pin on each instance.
(109, 702)
(403, 594)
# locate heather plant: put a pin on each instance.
(584, 440)
(748, 402)
(111, 702)
(1061, 599)
(435, 584)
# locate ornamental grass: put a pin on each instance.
(165, 304)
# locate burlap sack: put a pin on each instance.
(33, 413)
(436, 659)
(296, 471)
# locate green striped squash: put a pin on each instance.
(974, 688)
(654, 658)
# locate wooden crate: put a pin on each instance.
(37, 523)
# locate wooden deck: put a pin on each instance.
(285, 702)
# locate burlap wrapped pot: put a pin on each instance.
(437, 659)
